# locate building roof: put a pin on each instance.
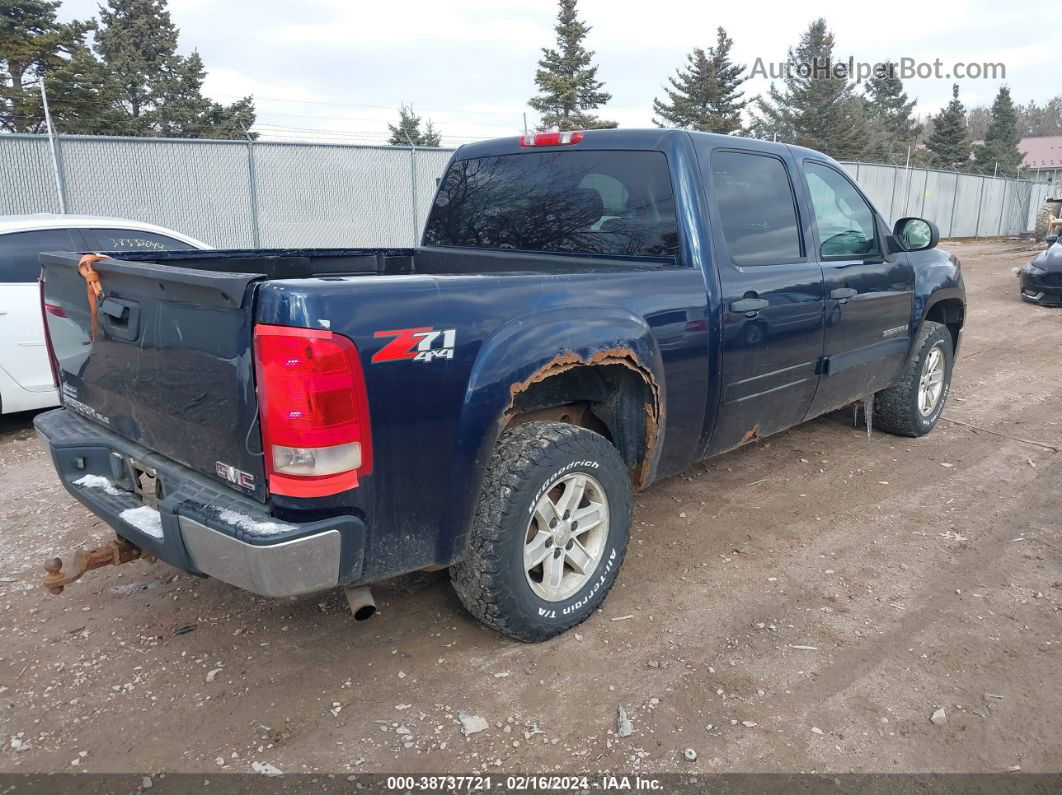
(1043, 152)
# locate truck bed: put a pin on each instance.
(305, 263)
(282, 263)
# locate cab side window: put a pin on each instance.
(20, 252)
(757, 208)
(844, 220)
(132, 240)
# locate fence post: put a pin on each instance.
(925, 187)
(954, 201)
(60, 189)
(980, 201)
(413, 188)
(892, 200)
(1002, 207)
(1024, 207)
(253, 185)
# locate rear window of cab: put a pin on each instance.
(595, 202)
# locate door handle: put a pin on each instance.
(116, 310)
(121, 318)
(749, 305)
(843, 293)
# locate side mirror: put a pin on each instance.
(916, 234)
(1051, 240)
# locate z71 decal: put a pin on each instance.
(416, 344)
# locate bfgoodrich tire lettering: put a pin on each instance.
(530, 463)
(900, 408)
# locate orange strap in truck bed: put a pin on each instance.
(93, 287)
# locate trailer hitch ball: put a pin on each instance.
(113, 554)
(54, 579)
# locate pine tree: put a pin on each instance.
(817, 107)
(568, 86)
(161, 90)
(138, 42)
(408, 133)
(891, 128)
(706, 95)
(949, 144)
(693, 90)
(1034, 120)
(183, 111)
(999, 153)
(33, 44)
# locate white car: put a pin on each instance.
(25, 375)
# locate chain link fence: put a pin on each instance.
(244, 194)
(961, 205)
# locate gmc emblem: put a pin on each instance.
(245, 480)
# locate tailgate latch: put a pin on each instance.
(115, 553)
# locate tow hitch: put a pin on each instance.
(113, 553)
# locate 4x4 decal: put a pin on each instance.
(416, 344)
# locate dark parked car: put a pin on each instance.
(1041, 279)
(588, 313)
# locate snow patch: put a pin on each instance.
(99, 482)
(251, 525)
(144, 518)
(266, 769)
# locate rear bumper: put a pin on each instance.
(196, 525)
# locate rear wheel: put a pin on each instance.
(550, 531)
(913, 406)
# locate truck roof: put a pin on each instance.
(650, 138)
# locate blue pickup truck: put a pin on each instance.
(589, 312)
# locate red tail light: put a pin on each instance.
(58, 312)
(552, 139)
(314, 411)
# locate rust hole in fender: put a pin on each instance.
(616, 411)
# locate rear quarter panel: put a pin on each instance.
(435, 422)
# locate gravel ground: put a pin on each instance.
(806, 603)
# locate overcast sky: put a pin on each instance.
(342, 67)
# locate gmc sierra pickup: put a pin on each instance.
(588, 312)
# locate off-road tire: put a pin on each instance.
(896, 408)
(491, 580)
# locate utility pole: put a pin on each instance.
(51, 144)
(252, 184)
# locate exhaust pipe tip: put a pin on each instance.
(364, 612)
(362, 605)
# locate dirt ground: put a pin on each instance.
(805, 603)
